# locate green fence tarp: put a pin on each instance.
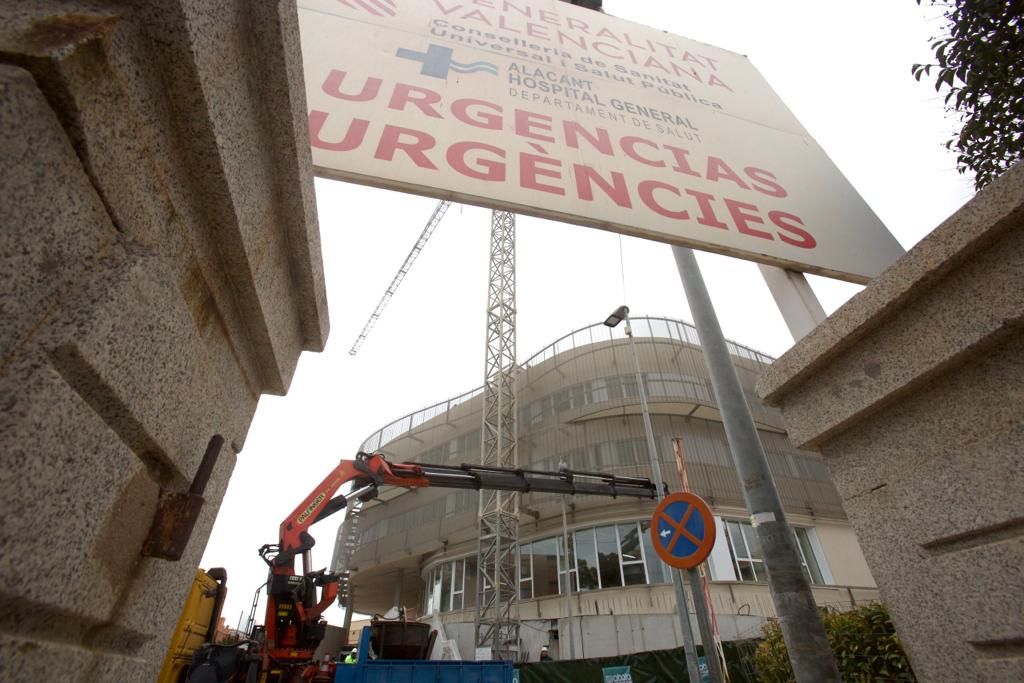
(658, 666)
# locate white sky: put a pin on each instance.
(843, 68)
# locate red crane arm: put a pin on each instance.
(366, 470)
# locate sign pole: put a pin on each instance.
(700, 603)
(708, 636)
(683, 533)
(800, 308)
(809, 651)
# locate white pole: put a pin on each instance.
(793, 295)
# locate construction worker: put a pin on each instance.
(352, 656)
(544, 656)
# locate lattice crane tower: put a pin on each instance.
(497, 617)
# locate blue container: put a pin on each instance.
(412, 671)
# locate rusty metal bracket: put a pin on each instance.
(176, 512)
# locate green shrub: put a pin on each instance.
(863, 641)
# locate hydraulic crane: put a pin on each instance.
(293, 627)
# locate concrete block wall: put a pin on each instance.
(912, 393)
(161, 270)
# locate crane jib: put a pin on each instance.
(568, 482)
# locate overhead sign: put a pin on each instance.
(683, 530)
(545, 108)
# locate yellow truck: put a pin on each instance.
(197, 625)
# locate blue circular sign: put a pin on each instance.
(683, 530)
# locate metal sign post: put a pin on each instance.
(683, 533)
(718, 670)
(800, 309)
(809, 651)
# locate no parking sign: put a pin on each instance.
(683, 530)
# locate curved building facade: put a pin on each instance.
(578, 403)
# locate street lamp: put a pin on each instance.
(617, 316)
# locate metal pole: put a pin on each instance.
(689, 647)
(346, 626)
(707, 637)
(809, 651)
(800, 309)
(716, 665)
(568, 579)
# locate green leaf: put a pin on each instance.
(981, 48)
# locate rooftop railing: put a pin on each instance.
(643, 327)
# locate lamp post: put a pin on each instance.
(568, 575)
(619, 315)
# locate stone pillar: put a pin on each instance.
(161, 268)
(912, 392)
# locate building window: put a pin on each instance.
(655, 568)
(632, 554)
(599, 557)
(545, 567)
(809, 559)
(748, 559)
(586, 560)
(608, 559)
(446, 586)
(539, 568)
(567, 567)
(526, 572)
(458, 583)
(433, 591)
(450, 586)
(746, 551)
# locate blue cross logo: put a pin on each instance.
(437, 62)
